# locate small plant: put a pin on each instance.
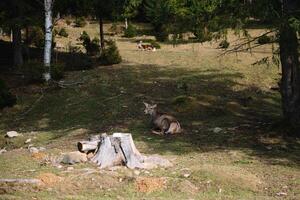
(6, 98)
(130, 32)
(91, 46)
(63, 32)
(80, 22)
(224, 44)
(264, 39)
(68, 22)
(110, 55)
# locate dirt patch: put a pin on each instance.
(39, 155)
(149, 184)
(49, 179)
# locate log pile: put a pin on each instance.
(119, 149)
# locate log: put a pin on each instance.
(20, 180)
(87, 146)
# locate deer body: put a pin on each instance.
(166, 124)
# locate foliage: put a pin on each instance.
(224, 44)
(6, 98)
(110, 55)
(130, 32)
(33, 71)
(80, 22)
(264, 39)
(36, 36)
(155, 44)
(63, 32)
(91, 46)
(68, 22)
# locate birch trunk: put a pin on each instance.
(126, 23)
(48, 38)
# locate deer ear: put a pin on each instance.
(154, 106)
(147, 105)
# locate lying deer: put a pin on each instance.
(166, 124)
(147, 47)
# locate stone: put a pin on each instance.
(74, 157)
(217, 130)
(12, 134)
(2, 151)
(28, 141)
(136, 172)
(33, 150)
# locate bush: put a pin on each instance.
(63, 32)
(161, 34)
(68, 22)
(110, 55)
(202, 35)
(155, 44)
(264, 39)
(224, 44)
(34, 71)
(36, 36)
(130, 32)
(92, 47)
(80, 22)
(6, 98)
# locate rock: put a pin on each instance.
(90, 155)
(33, 150)
(27, 141)
(42, 149)
(186, 175)
(74, 157)
(136, 172)
(70, 168)
(12, 134)
(188, 187)
(217, 130)
(155, 160)
(3, 151)
(281, 194)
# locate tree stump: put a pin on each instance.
(117, 149)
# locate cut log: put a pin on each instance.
(20, 180)
(87, 146)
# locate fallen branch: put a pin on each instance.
(20, 180)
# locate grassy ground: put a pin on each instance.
(248, 159)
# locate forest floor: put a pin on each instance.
(249, 158)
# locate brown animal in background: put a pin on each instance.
(146, 47)
(166, 124)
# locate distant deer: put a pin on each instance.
(145, 47)
(166, 124)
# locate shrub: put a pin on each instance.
(63, 32)
(110, 55)
(34, 71)
(91, 46)
(161, 34)
(202, 35)
(224, 44)
(6, 98)
(130, 32)
(68, 22)
(80, 22)
(155, 44)
(36, 36)
(264, 39)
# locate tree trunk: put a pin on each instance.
(119, 149)
(17, 46)
(48, 38)
(126, 23)
(102, 45)
(290, 81)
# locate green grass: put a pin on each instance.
(203, 92)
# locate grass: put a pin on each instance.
(248, 159)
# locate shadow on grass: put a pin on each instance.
(111, 100)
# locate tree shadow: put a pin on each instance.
(111, 101)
